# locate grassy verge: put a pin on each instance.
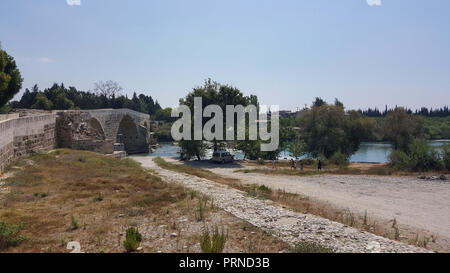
(67, 195)
(202, 173)
(304, 204)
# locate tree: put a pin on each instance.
(10, 78)
(319, 102)
(164, 115)
(213, 93)
(297, 148)
(108, 89)
(62, 102)
(42, 102)
(328, 129)
(402, 128)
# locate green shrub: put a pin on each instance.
(339, 159)
(446, 156)
(423, 157)
(73, 223)
(10, 235)
(200, 212)
(264, 188)
(132, 240)
(214, 243)
(399, 160)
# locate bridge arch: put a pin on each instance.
(96, 128)
(127, 133)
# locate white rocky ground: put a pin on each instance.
(413, 202)
(289, 226)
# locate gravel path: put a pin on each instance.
(420, 204)
(289, 226)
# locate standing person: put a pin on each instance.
(274, 164)
(301, 164)
(295, 164)
(319, 165)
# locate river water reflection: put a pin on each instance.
(368, 151)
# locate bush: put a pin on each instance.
(200, 212)
(423, 157)
(214, 244)
(10, 235)
(399, 160)
(339, 159)
(132, 240)
(446, 156)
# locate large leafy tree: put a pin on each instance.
(10, 78)
(401, 128)
(212, 93)
(328, 129)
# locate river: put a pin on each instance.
(368, 152)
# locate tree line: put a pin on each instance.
(423, 111)
(105, 95)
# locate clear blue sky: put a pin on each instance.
(286, 52)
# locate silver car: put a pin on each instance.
(222, 157)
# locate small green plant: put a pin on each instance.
(10, 235)
(396, 229)
(201, 210)
(264, 188)
(215, 243)
(74, 223)
(40, 195)
(99, 197)
(192, 194)
(132, 239)
(310, 247)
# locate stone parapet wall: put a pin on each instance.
(23, 136)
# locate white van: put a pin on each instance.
(222, 157)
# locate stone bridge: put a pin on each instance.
(103, 130)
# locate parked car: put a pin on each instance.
(222, 157)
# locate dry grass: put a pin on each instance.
(82, 196)
(202, 173)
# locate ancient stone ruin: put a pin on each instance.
(105, 131)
